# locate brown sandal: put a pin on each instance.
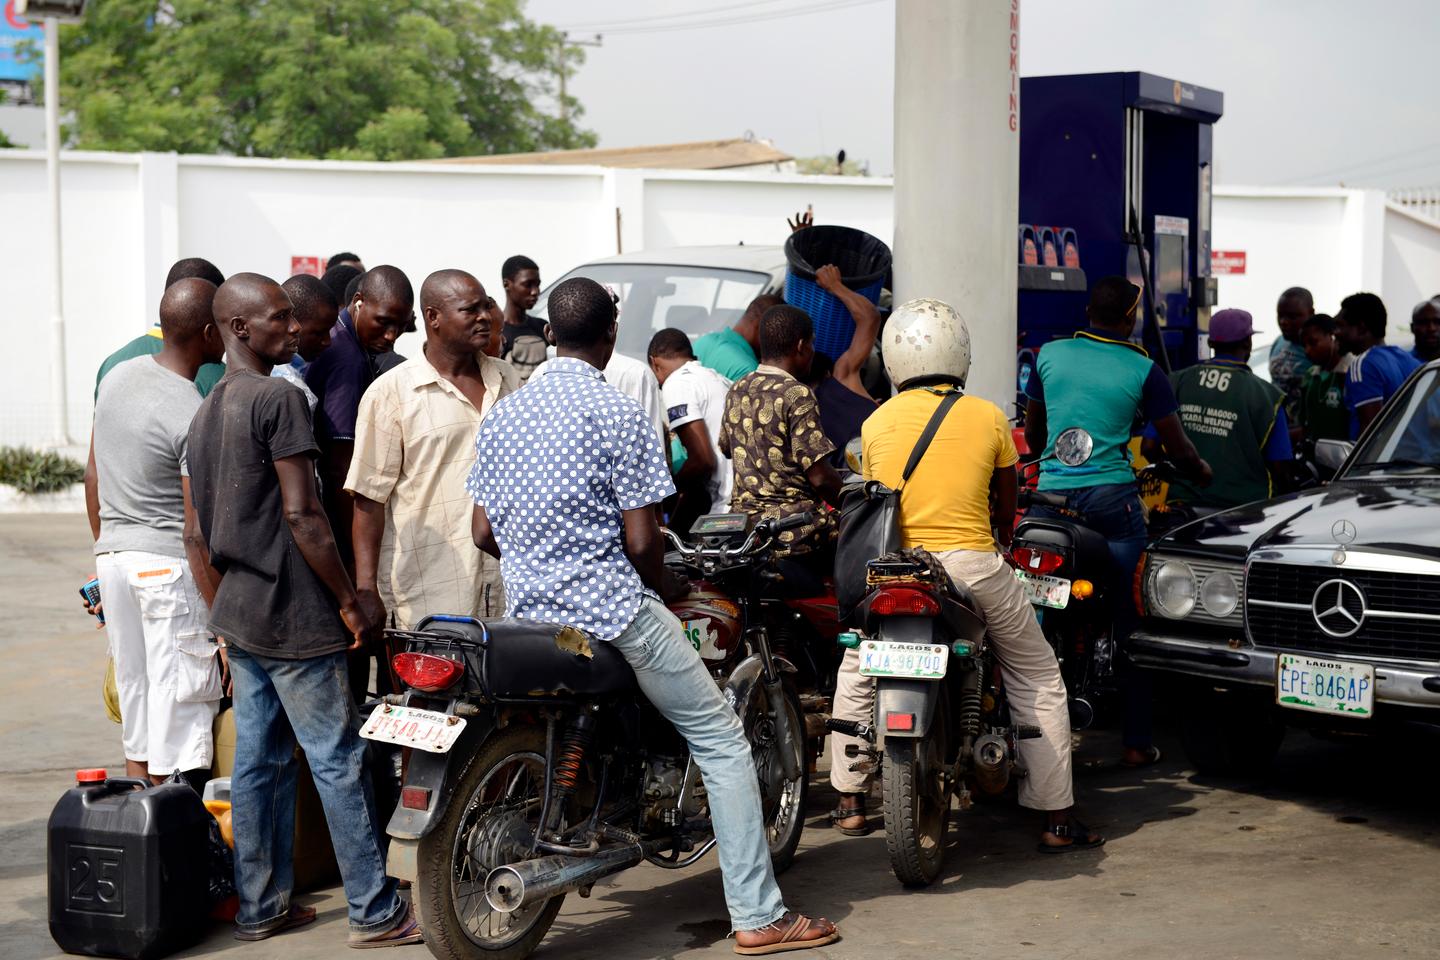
(797, 932)
(297, 916)
(407, 931)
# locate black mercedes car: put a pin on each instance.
(1317, 608)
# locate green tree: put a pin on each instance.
(340, 79)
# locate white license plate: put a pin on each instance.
(409, 727)
(913, 661)
(1044, 591)
(1325, 686)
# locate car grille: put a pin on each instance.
(1385, 637)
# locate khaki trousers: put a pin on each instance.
(1028, 667)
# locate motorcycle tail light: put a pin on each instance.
(426, 672)
(904, 602)
(1037, 561)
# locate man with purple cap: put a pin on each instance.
(1236, 420)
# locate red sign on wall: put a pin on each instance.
(315, 266)
(1227, 263)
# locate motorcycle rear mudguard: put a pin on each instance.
(918, 697)
(438, 773)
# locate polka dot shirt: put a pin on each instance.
(556, 464)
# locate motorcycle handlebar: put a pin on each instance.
(1038, 498)
(764, 531)
(794, 521)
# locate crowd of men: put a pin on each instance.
(257, 524)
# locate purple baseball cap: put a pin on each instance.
(1231, 326)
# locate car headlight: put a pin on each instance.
(1174, 589)
(1219, 594)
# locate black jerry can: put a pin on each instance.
(128, 867)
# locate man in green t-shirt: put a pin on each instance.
(1323, 414)
(731, 351)
(149, 343)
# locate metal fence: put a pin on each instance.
(1422, 200)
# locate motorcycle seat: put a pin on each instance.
(527, 659)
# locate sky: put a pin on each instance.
(1320, 92)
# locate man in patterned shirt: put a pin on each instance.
(773, 435)
(567, 475)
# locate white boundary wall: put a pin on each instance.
(129, 216)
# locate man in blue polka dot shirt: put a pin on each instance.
(567, 475)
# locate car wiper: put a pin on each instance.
(1386, 464)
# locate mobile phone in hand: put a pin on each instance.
(91, 595)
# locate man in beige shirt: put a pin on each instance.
(414, 446)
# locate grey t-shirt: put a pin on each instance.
(142, 421)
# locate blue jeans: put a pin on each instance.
(1114, 511)
(276, 703)
(673, 678)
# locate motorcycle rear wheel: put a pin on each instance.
(916, 800)
(491, 817)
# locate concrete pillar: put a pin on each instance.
(957, 163)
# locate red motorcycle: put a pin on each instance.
(737, 586)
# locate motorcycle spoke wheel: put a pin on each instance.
(490, 822)
(782, 801)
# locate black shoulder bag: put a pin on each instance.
(870, 521)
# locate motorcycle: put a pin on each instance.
(941, 729)
(735, 589)
(537, 769)
(1065, 569)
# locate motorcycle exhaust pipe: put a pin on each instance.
(517, 885)
(991, 761)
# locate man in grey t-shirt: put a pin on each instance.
(165, 661)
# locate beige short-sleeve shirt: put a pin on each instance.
(414, 447)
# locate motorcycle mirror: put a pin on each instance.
(855, 458)
(1074, 446)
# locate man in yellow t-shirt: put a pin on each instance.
(945, 509)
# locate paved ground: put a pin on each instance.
(1334, 856)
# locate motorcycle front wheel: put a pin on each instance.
(916, 798)
(490, 822)
(781, 800)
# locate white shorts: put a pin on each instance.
(166, 669)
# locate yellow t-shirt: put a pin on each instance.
(946, 504)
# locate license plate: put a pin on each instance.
(913, 661)
(1044, 591)
(1325, 686)
(409, 727)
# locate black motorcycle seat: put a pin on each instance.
(523, 659)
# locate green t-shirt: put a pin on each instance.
(147, 345)
(1323, 413)
(727, 353)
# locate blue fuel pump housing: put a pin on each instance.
(1118, 168)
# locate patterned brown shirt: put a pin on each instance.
(772, 435)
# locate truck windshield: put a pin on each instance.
(1408, 440)
(655, 296)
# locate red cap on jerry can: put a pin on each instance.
(83, 777)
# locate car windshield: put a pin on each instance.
(1407, 442)
(655, 296)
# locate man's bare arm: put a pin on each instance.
(197, 551)
(1179, 448)
(316, 541)
(1006, 485)
(482, 533)
(92, 490)
(367, 531)
(1036, 427)
(867, 326)
(1366, 413)
(826, 481)
(645, 547)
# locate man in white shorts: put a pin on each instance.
(166, 667)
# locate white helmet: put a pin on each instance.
(926, 338)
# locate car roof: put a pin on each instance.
(763, 258)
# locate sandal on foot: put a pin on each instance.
(405, 932)
(297, 916)
(841, 813)
(1077, 833)
(1152, 757)
(795, 932)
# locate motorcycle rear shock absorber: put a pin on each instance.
(569, 758)
(970, 701)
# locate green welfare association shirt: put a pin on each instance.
(149, 344)
(727, 353)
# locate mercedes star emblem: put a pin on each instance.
(1339, 608)
(1343, 531)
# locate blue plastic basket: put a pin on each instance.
(863, 261)
(834, 327)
